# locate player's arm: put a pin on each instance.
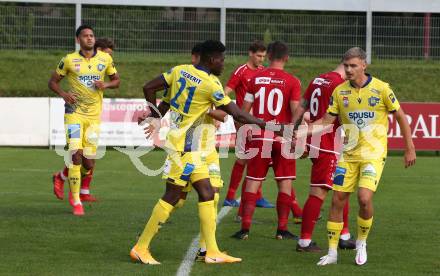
(218, 115)
(150, 89)
(298, 112)
(112, 84)
(410, 152)
(54, 85)
(325, 123)
(242, 116)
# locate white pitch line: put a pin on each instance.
(188, 260)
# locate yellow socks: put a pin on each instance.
(207, 215)
(202, 239)
(160, 214)
(364, 226)
(75, 182)
(333, 232)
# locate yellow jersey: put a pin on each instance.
(190, 93)
(363, 113)
(81, 74)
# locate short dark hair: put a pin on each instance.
(104, 43)
(209, 48)
(197, 49)
(355, 52)
(81, 28)
(257, 46)
(277, 50)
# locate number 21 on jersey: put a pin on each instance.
(191, 90)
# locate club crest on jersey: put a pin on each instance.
(373, 101)
(262, 80)
(77, 67)
(345, 101)
(361, 118)
(218, 95)
(101, 67)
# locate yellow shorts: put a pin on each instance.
(184, 167)
(365, 174)
(82, 133)
(211, 161)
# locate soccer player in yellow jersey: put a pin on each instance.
(192, 93)
(362, 104)
(85, 70)
(105, 45)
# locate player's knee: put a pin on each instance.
(364, 201)
(338, 200)
(77, 158)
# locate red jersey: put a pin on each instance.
(239, 81)
(317, 98)
(271, 91)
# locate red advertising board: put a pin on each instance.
(424, 119)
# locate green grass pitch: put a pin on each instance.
(39, 236)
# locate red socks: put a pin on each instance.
(236, 175)
(310, 216)
(249, 201)
(284, 202)
(296, 209)
(85, 182)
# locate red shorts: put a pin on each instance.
(322, 170)
(258, 166)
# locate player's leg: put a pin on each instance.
(345, 179)
(213, 162)
(90, 150)
(248, 203)
(285, 172)
(161, 212)
(311, 211)
(74, 126)
(178, 169)
(208, 223)
(261, 201)
(284, 201)
(234, 182)
(296, 209)
(58, 179)
(370, 173)
(346, 240)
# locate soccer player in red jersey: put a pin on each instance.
(238, 83)
(274, 95)
(324, 156)
(105, 45)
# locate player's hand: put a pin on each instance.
(152, 127)
(100, 85)
(142, 117)
(410, 158)
(68, 97)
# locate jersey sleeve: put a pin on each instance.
(234, 80)
(390, 100)
(168, 76)
(218, 96)
(249, 96)
(111, 69)
(62, 67)
(333, 106)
